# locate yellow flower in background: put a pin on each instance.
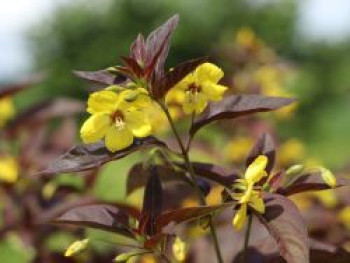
(179, 249)
(246, 37)
(344, 217)
(237, 148)
(9, 169)
(76, 247)
(7, 110)
(247, 195)
(117, 117)
(291, 151)
(199, 87)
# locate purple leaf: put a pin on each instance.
(181, 215)
(100, 216)
(235, 106)
(158, 43)
(152, 203)
(101, 77)
(89, 156)
(286, 225)
(309, 182)
(138, 50)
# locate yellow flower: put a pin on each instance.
(247, 195)
(344, 217)
(237, 148)
(246, 37)
(117, 117)
(8, 169)
(199, 87)
(7, 110)
(179, 249)
(76, 247)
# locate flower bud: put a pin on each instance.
(328, 177)
(295, 170)
(76, 247)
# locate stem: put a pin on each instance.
(246, 238)
(166, 259)
(192, 173)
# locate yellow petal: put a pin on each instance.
(8, 169)
(7, 110)
(179, 249)
(213, 91)
(118, 139)
(194, 103)
(256, 170)
(76, 247)
(95, 128)
(137, 98)
(208, 72)
(104, 101)
(240, 217)
(137, 122)
(247, 195)
(328, 177)
(257, 203)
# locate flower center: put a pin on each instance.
(118, 119)
(193, 91)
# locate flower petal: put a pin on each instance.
(137, 98)
(208, 72)
(256, 170)
(95, 127)
(240, 217)
(118, 139)
(138, 123)
(213, 91)
(257, 203)
(103, 101)
(194, 103)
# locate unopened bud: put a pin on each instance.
(76, 247)
(295, 170)
(328, 177)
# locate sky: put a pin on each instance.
(326, 20)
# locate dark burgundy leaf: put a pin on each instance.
(103, 77)
(152, 202)
(100, 216)
(322, 252)
(235, 106)
(89, 156)
(263, 146)
(309, 182)
(138, 50)
(158, 42)
(46, 111)
(180, 215)
(139, 174)
(133, 65)
(286, 225)
(172, 77)
(214, 173)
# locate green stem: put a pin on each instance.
(193, 179)
(246, 238)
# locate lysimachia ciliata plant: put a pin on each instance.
(120, 124)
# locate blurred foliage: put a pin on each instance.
(90, 35)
